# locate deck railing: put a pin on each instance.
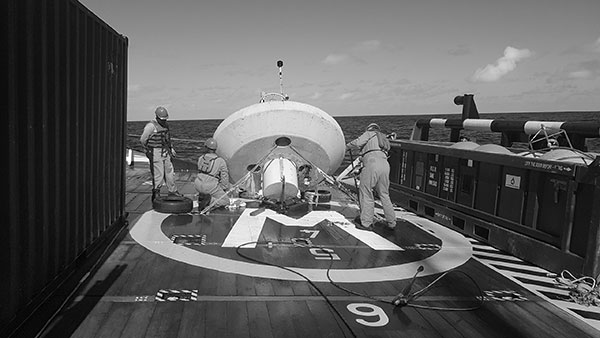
(543, 211)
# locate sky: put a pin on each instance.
(206, 59)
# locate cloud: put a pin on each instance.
(334, 59)
(459, 50)
(580, 74)
(503, 66)
(584, 70)
(346, 96)
(587, 49)
(354, 54)
(331, 84)
(367, 46)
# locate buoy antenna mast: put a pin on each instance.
(281, 95)
(280, 66)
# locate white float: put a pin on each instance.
(303, 135)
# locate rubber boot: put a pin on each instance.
(203, 201)
(155, 194)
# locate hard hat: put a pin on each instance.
(211, 143)
(373, 126)
(161, 112)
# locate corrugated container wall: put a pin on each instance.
(65, 72)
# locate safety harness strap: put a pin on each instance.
(205, 166)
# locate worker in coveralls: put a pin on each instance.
(213, 178)
(156, 141)
(375, 174)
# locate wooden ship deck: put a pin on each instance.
(86, 256)
(185, 276)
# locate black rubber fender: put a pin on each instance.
(173, 205)
(320, 196)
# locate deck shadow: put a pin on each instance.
(79, 310)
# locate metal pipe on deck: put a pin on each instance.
(512, 130)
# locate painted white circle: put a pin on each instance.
(455, 251)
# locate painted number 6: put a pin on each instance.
(373, 311)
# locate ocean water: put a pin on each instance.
(353, 126)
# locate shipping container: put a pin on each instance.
(66, 82)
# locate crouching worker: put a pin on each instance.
(213, 178)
